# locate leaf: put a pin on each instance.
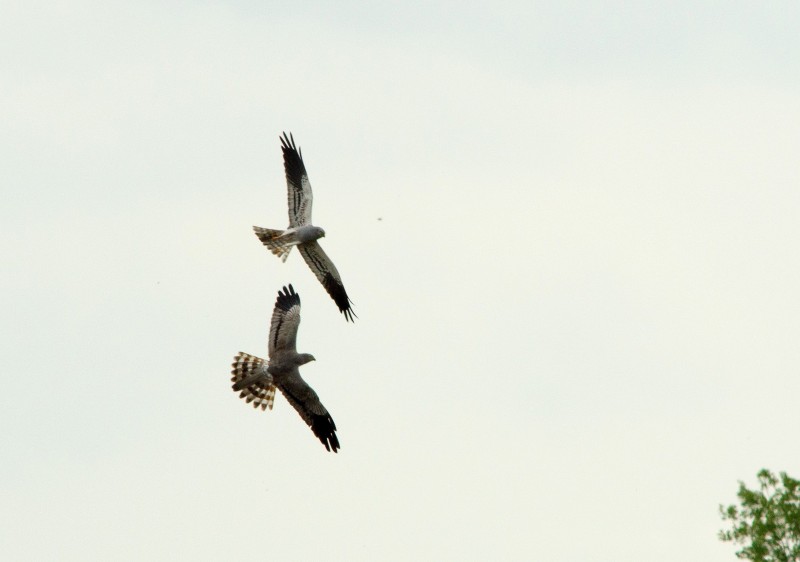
(767, 522)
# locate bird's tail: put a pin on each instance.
(272, 240)
(250, 376)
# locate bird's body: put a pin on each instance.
(280, 242)
(301, 232)
(256, 379)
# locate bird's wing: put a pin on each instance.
(326, 272)
(285, 321)
(249, 374)
(303, 398)
(300, 196)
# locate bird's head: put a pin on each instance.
(304, 358)
(321, 233)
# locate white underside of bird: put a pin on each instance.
(280, 242)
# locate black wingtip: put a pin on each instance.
(287, 298)
(325, 430)
(349, 315)
(293, 156)
(336, 290)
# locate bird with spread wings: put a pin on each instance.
(301, 232)
(257, 379)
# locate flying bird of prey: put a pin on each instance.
(257, 379)
(301, 232)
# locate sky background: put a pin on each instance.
(570, 231)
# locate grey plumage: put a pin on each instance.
(301, 232)
(255, 378)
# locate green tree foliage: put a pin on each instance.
(767, 523)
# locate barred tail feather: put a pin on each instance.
(271, 239)
(249, 374)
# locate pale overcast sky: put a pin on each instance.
(571, 232)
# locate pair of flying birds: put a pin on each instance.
(256, 379)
